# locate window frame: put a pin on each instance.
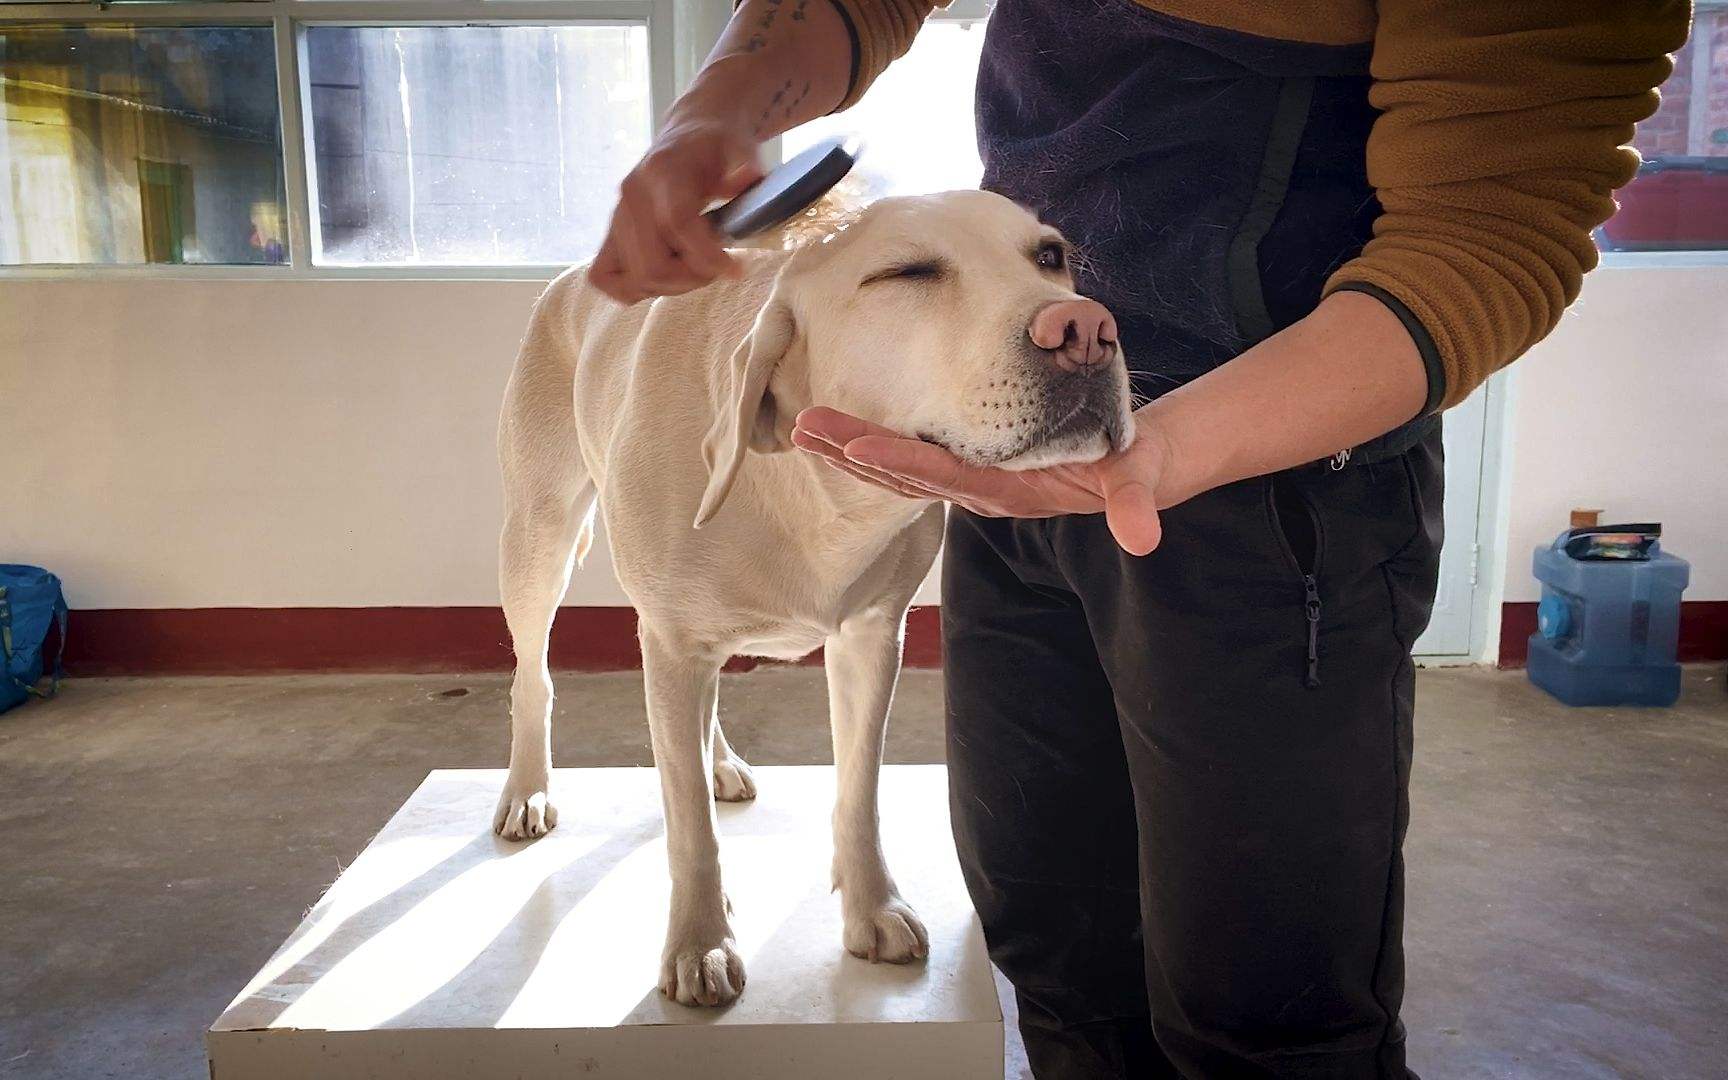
(680, 35)
(1688, 257)
(289, 20)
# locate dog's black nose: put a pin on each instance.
(1075, 334)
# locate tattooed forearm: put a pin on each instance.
(779, 64)
(784, 101)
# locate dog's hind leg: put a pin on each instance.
(700, 964)
(863, 662)
(537, 549)
(549, 504)
(733, 780)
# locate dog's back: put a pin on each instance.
(583, 354)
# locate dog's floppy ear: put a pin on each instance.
(746, 415)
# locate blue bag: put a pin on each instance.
(30, 601)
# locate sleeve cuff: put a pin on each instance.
(857, 55)
(1424, 341)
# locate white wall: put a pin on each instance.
(210, 443)
(1625, 406)
(202, 443)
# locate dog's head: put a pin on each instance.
(950, 317)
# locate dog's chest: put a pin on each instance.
(781, 643)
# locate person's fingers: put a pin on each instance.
(741, 166)
(913, 458)
(658, 242)
(898, 483)
(1131, 513)
(663, 273)
(836, 456)
(916, 465)
(701, 249)
(830, 431)
(678, 217)
(667, 274)
(986, 491)
(881, 480)
(605, 277)
(815, 443)
(613, 283)
(633, 278)
(606, 272)
(837, 427)
(662, 267)
(681, 250)
(651, 268)
(887, 484)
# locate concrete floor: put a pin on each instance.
(158, 838)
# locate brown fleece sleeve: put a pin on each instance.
(1502, 136)
(882, 31)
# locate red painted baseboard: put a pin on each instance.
(234, 641)
(1703, 632)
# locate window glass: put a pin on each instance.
(916, 120)
(472, 144)
(135, 144)
(1679, 199)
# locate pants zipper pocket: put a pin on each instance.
(1313, 602)
(1289, 508)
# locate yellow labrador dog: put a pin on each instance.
(951, 316)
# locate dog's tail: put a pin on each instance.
(585, 536)
(548, 488)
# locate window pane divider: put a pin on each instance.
(293, 98)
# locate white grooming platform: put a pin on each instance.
(446, 952)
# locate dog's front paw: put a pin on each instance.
(524, 810)
(733, 780)
(702, 974)
(890, 931)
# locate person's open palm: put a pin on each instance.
(1121, 485)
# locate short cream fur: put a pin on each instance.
(677, 413)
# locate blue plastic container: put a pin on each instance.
(1607, 630)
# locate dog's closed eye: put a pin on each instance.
(919, 270)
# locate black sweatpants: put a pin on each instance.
(1180, 782)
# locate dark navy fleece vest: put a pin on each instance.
(1213, 180)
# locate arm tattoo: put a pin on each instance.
(762, 26)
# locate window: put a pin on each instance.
(1679, 200)
(472, 144)
(343, 136)
(916, 119)
(135, 144)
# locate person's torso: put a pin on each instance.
(1212, 178)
